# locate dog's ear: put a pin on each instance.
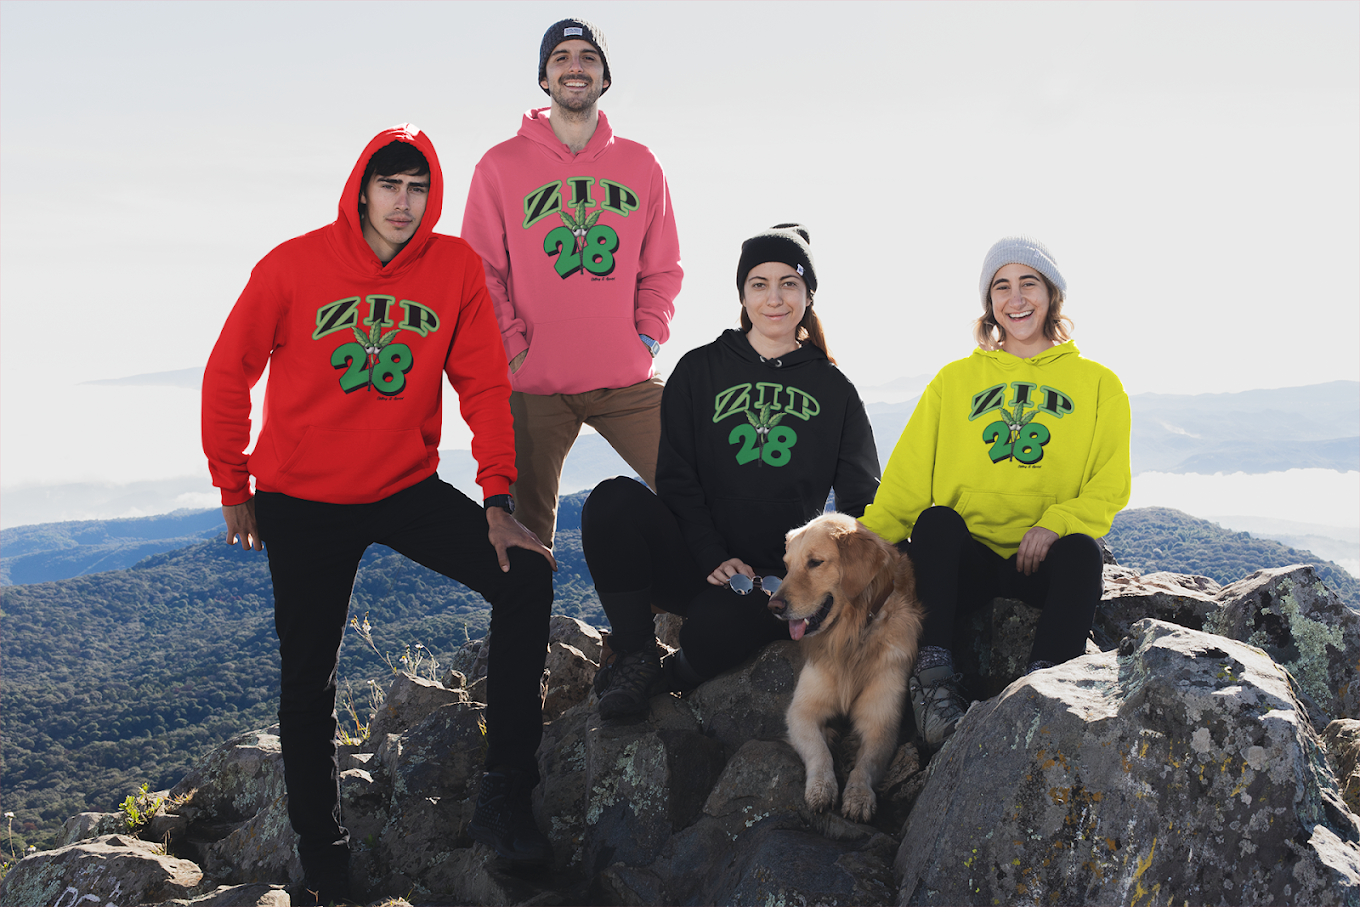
(863, 557)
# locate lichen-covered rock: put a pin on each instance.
(575, 633)
(113, 869)
(644, 781)
(992, 646)
(236, 896)
(1303, 625)
(1342, 738)
(236, 811)
(570, 674)
(260, 850)
(84, 826)
(1178, 769)
(749, 703)
(755, 843)
(561, 795)
(1176, 598)
(409, 699)
(235, 780)
(434, 768)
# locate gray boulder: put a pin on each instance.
(235, 813)
(643, 782)
(1342, 738)
(754, 843)
(112, 869)
(1180, 768)
(1291, 614)
(409, 699)
(1176, 598)
(749, 703)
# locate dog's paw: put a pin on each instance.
(859, 803)
(820, 793)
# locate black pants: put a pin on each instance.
(314, 551)
(637, 557)
(956, 574)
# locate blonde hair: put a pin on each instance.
(1058, 328)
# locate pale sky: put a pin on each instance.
(1193, 167)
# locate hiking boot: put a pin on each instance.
(625, 684)
(937, 702)
(504, 819)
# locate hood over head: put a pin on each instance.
(351, 229)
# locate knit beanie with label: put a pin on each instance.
(789, 243)
(567, 30)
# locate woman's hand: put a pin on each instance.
(728, 569)
(1034, 548)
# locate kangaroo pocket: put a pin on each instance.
(583, 354)
(347, 467)
(755, 530)
(1002, 518)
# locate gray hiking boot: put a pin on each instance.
(937, 702)
(625, 684)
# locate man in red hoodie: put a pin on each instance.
(359, 322)
(575, 227)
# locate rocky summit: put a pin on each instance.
(1205, 750)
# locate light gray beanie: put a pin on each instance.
(1019, 250)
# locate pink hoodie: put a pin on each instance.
(596, 260)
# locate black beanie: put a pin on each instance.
(566, 30)
(789, 243)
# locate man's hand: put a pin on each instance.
(518, 361)
(728, 569)
(505, 532)
(1033, 549)
(241, 525)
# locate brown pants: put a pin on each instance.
(546, 426)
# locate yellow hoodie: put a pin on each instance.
(1011, 443)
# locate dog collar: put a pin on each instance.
(877, 603)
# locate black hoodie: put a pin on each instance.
(750, 447)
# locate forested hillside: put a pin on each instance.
(125, 677)
(120, 678)
(1149, 539)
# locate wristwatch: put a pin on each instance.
(652, 345)
(505, 502)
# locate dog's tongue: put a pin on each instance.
(797, 628)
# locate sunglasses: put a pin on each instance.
(744, 585)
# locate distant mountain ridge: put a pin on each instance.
(1256, 431)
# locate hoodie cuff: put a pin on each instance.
(232, 497)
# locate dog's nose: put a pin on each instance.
(777, 606)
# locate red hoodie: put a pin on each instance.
(581, 255)
(356, 352)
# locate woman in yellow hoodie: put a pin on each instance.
(1015, 461)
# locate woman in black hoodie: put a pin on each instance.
(756, 428)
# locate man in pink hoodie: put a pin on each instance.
(575, 229)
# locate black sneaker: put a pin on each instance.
(937, 704)
(627, 683)
(504, 819)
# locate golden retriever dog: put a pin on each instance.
(850, 597)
